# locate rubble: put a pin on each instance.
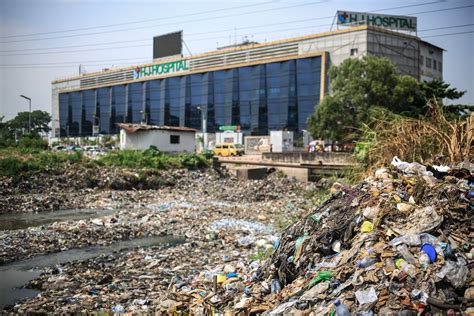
(220, 218)
(398, 242)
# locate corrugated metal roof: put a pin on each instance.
(133, 128)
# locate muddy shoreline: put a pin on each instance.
(220, 218)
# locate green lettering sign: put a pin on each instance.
(229, 128)
(160, 69)
(398, 22)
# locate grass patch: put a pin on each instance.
(154, 159)
(262, 254)
(17, 162)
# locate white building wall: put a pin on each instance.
(428, 56)
(142, 140)
(281, 141)
(229, 137)
(339, 46)
(401, 50)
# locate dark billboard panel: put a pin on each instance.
(167, 44)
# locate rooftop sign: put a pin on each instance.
(160, 69)
(398, 22)
(234, 128)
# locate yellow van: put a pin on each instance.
(227, 150)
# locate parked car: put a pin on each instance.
(91, 148)
(227, 150)
(59, 148)
(73, 148)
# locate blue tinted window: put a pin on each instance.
(308, 78)
(135, 103)
(185, 101)
(208, 92)
(76, 114)
(249, 97)
(88, 98)
(225, 96)
(103, 104)
(278, 91)
(118, 108)
(174, 94)
(153, 101)
(259, 98)
(292, 123)
(198, 103)
(64, 117)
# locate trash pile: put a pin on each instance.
(400, 241)
(213, 232)
(79, 187)
(52, 190)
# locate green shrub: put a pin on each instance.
(14, 166)
(32, 142)
(208, 154)
(193, 161)
(153, 158)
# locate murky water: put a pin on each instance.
(15, 275)
(21, 221)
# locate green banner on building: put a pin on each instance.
(160, 69)
(397, 22)
(229, 128)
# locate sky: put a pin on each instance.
(44, 40)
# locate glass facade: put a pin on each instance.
(76, 114)
(88, 112)
(260, 98)
(118, 108)
(104, 110)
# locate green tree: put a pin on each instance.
(439, 90)
(6, 136)
(39, 122)
(357, 86)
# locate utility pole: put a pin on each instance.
(29, 115)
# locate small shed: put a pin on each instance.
(165, 138)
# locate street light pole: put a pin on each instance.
(29, 114)
(203, 127)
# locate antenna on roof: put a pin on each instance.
(333, 20)
(187, 48)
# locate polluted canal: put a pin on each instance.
(127, 259)
(25, 220)
(16, 275)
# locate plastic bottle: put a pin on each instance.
(406, 254)
(406, 267)
(409, 239)
(341, 309)
(366, 262)
(276, 286)
(424, 260)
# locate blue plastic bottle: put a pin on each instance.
(366, 262)
(341, 309)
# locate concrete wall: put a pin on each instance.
(142, 140)
(229, 137)
(313, 158)
(401, 50)
(281, 141)
(338, 45)
(433, 54)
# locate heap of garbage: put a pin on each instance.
(400, 241)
